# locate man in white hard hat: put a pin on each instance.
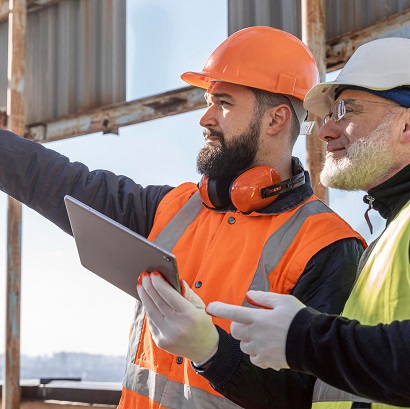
(366, 352)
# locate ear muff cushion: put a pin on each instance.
(215, 192)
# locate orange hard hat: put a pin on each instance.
(260, 57)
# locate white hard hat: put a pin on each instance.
(377, 65)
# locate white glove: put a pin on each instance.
(262, 331)
(178, 324)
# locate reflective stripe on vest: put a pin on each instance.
(323, 392)
(172, 394)
(385, 276)
(173, 231)
(159, 388)
(279, 242)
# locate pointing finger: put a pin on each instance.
(243, 315)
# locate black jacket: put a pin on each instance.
(40, 178)
(371, 361)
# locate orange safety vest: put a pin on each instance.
(221, 255)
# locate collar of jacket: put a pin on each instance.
(286, 201)
(391, 195)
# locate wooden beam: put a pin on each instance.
(110, 118)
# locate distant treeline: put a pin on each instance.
(88, 367)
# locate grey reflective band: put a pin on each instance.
(176, 227)
(323, 392)
(172, 394)
(277, 244)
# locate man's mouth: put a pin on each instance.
(335, 152)
(211, 138)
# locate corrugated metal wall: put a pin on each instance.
(75, 58)
(350, 15)
(341, 15)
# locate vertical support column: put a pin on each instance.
(314, 36)
(16, 124)
(4, 6)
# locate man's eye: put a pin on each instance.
(223, 103)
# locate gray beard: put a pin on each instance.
(366, 164)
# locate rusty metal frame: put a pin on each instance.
(314, 36)
(340, 49)
(31, 6)
(109, 119)
(16, 123)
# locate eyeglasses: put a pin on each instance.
(339, 109)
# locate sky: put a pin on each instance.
(64, 307)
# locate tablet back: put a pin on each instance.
(114, 252)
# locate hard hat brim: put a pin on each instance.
(197, 79)
(319, 100)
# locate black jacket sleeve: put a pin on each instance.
(324, 285)
(40, 178)
(371, 361)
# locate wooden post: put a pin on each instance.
(16, 124)
(314, 36)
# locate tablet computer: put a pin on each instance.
(114, 252)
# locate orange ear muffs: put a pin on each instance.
(252, 190)
(246, 189)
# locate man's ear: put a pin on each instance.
(279, 117)
(405, 135)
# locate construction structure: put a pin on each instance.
(332, 29)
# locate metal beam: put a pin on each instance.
(32, 6)
(109, 119)
(340, 49)
(4, 9)
(313, 34)
(16, 123)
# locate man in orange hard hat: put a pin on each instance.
(254, 196)
(252, 223)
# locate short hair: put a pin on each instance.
(266, 100)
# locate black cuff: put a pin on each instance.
(224, 363)
(296, 338)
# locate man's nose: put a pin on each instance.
(328, 131)
(208, 118)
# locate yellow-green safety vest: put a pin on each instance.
(380, 295)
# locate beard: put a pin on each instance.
(227, 159)
(366, 164)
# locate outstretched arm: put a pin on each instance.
(40, 178)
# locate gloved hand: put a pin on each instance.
(262, 331)
(178, 324)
